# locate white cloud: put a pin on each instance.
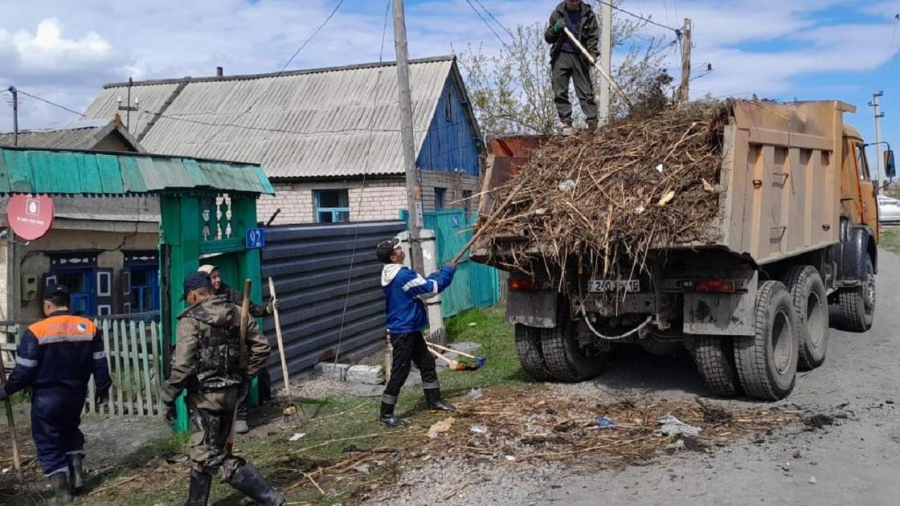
(47, 48)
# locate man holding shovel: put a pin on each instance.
(404, 290)
(206, 362)
(567, 61)
(56, 358)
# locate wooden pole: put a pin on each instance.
(10, 419)
(284, 368)
(489, 221)
(684, 95)
(600, 68)
(407, 137)
(242, 344)
(605, 58)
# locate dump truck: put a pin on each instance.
(797, 233)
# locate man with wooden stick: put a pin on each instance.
(256, 311)
(567, 62)
(56, 358)
(404, 290)
(206, 362)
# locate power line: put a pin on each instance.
(491, 28)
(889, 61)
(637, 16)
(495, 19)
(51, 103)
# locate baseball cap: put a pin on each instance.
(207, 268)
(55, 289)
(385, 249)
(194, 281)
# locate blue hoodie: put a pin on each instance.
(404, 291)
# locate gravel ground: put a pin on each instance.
(855, 461)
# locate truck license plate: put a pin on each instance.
(609, 285)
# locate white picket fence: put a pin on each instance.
(133, 355)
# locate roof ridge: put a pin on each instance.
(247, 77)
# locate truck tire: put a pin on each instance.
(811, 304)
(714, 357)
(767, 362)
(528, 347)
(857, 305)
(564, 359)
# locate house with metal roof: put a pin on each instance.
(113, 238)
(327, 138)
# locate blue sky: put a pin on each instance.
(783, 49)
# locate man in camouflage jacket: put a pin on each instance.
(206, 363)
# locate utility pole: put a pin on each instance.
(605, 59)
(875, 105)
(684, 96)
(406, 136)
(15, 95)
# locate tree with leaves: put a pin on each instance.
(511, 88)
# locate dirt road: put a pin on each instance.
(856, 461)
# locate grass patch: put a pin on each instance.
(890, 239)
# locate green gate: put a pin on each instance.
(474, 284)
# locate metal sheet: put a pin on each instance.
(311, 266)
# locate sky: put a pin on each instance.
(65, 51)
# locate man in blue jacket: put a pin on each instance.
(405, 290)
(56, 358)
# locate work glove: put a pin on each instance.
(558, 26)
(3, 394)
(170, 413)
(102, 398)
(272, 306)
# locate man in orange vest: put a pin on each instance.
(56, 358)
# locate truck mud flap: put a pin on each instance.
(721, 314)
(533, 309)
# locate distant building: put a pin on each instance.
(103, 249)
(328, 138)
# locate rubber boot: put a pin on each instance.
(60, 484)
(249, 482)
(76, 471)
(198, 495)
(387, 416)
(433, 398)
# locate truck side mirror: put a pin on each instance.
(890, 168)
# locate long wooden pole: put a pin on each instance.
(684, 95)
(591, 59)
(490, 220)
(17, 459)
(242, 344)
(284, 367)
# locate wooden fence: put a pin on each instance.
(133, 355)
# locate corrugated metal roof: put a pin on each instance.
(334, 122)
(26, 170)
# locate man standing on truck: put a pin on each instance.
(206, 362)
(56, 358)
(567, 61)
(404, 290)
(256, 311)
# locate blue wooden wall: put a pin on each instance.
(451, 141)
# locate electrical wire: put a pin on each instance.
(491, 28)
(495, 19)
(642, 18)
(889, 61)
(362, 189)
(50, 103)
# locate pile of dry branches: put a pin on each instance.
(609, 197)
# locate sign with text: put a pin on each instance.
(256, 238)
(30, 217)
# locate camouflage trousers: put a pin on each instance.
(212, 416)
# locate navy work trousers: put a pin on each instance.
(55, 417)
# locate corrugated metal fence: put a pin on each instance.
(310, 265)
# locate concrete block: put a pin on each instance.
(366, 374)
(332, 371)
